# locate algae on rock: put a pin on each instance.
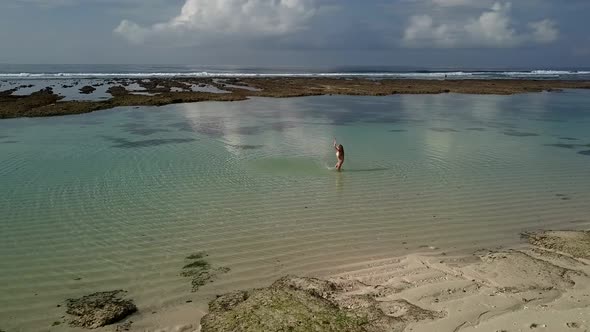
(574, 243)
(99, 309)
(308, 304)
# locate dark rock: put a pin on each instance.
(87, 89)
(99, 309)
(117, 90)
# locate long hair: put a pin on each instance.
(340, 148)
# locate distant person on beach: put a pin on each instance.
(339, 155)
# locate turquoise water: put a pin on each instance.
(116, 199)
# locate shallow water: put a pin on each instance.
(117, 199)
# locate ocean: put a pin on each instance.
(106, 71)
(117, 199)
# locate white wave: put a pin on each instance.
(551, 72)
(456, 74)
(224, 74)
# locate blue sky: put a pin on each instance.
(423, 33)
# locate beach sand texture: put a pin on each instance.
(531, 288)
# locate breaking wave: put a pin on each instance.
(418, 74)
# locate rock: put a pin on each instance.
(117, 90)
(124, 326)
(308, 304)
(99, 309)
(87, 89)
(574, 243)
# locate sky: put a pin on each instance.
(298, 33)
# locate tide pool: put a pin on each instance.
(117, 199)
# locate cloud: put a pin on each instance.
(544, 31)
(200, 20)
(453, 3)
(491, 29)
(47, 3)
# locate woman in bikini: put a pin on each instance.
(339, 155)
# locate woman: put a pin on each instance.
(339, 155)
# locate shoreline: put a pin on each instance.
(542, 284)
(165, 91)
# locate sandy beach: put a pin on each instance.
(542, 286)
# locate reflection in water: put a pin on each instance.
(376, 169)
(249, 125)
(339, 182)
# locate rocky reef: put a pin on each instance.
(574, 243)
(163, 91)
(308, 304)
(87, 89)
(99, 309)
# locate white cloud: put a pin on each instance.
(544, 31)
(493, 28)
(453, 3)
(203, 19)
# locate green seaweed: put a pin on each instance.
(200, 271)
(198, 264)
(198, 255)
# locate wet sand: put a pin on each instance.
(158, 92)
